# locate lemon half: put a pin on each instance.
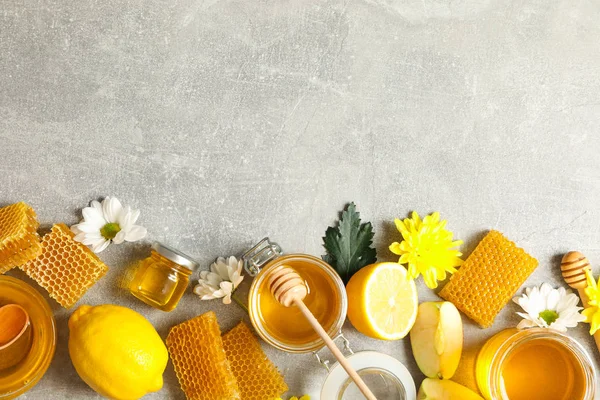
(382, 301)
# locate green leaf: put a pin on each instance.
(348, 245)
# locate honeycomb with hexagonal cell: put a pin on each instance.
(19, 241)
(197, 353)
(489, 278)
(256, 375)
(66, 268)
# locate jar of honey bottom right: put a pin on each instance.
(534, 363)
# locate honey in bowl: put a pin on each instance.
(21, 377)
(285, 327)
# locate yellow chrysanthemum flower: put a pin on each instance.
(592, 311)
(427, 248)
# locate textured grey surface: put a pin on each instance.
(225, 121)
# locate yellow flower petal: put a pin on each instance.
(415, 220)
(395, 248)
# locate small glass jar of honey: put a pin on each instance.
(161, 279)
(534, 363)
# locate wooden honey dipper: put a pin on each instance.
(289, 289)
(573, 267)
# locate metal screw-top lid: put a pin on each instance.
(175, 255)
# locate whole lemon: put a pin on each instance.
(116, 351)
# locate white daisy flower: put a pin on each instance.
(224, 277)
(108, 222)
(547, 307)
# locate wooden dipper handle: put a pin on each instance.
(289, 288)
(573, 267)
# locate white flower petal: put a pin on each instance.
(233, 263)
(213, 279)
(92, 241)
(124, 219)
(552, 299)
(227, 287)
(79, 237)
(525, 323)
(135, 233)
(100, 246)
(203, 290)
(96, 204)
(545, 289)
(93, 215)
(133, 216)
(227, 299)
(525, 316)
(221, 268)
(558, 326)
(87, 227)
(569, 301)
(112, 209)
(119, 237)
(236, 279)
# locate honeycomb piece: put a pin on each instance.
(489, 278)
(66, 268)
(19, 241)
(203, 371)
(256, 375)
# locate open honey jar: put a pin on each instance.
(19, 378)
(536, 363)
(286, 329)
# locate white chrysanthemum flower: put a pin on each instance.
(224, 277)
(108, 222)
(547, 307)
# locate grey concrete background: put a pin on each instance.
(225, 121)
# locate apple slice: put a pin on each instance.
(437, 339)
(435, 389)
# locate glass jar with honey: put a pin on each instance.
(17, 379)
(286, 329)
(536, 363)
(161, 279)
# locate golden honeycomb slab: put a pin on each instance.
(489, 278)
(201, 366)
(19, 241)
(66, 268)
(256, 375)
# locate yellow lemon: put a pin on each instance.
(382, 301)
(116, 351)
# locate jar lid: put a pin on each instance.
(175, 255)
(338, 384)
